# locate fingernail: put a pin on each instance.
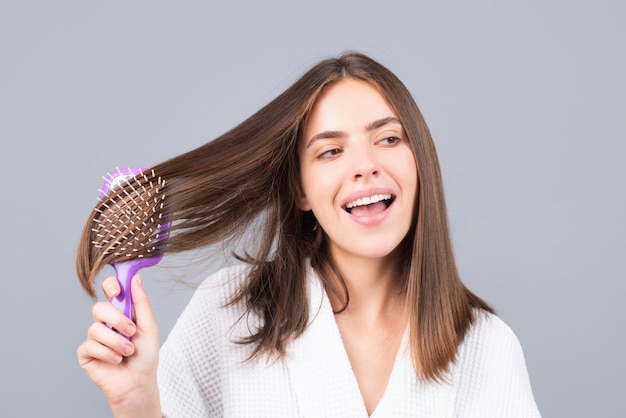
(128, 350)
(116, 358)
(130, 329)
(139, 280)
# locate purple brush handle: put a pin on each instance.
(125, 271)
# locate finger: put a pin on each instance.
(111, 287)
(105, 312)
(144, 315)
(106, 337)
(91, 350)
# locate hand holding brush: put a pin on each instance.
(127, 232)
(124, 370)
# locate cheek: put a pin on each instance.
(415, 185)
(309, 182)
(320, 184)
(415, 173)
(406, 166)
(408, 175)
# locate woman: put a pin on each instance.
(350, 304)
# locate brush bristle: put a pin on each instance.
(129, 221)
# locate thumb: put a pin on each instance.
(144, 315)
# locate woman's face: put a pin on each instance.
(358, 172)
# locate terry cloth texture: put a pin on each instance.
(204, 373)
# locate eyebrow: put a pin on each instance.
(339, 134)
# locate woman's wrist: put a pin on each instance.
(144, 403)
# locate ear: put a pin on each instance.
(303, 203)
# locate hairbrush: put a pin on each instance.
(129, 226)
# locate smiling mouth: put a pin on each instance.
(368, 205)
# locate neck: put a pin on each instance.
(374, 287)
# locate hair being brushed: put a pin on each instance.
(251, 173)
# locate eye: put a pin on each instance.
(392, 140)
(329, 153)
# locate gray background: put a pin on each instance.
(526, 102)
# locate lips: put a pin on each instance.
(369, 203)
(368, 200)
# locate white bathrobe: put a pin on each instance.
(203, 373)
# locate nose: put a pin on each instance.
(366, 165)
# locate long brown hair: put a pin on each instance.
(250, 175)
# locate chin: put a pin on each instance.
(376, 251)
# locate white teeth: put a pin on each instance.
(368, 200)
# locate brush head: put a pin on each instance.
(129, 222)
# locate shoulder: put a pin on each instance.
(210, 304)
(191, 359)
(490, 345)
(489, 331)
(491, 371)
(224, 282)
(215, 291)
(205, 323)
